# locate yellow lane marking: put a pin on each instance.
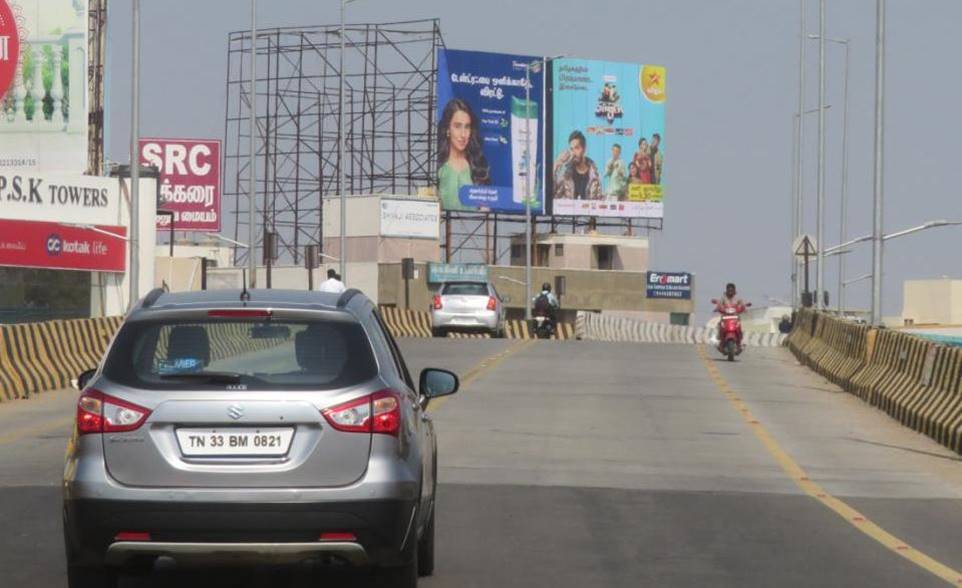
(483, 366)
(35, 430)
(839, 507)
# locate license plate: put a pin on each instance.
(464, 321)
(235, 442)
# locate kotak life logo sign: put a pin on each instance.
(9, 47)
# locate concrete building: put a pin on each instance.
(584, 252)
(932, 302)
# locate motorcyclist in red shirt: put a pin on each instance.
(730, 300)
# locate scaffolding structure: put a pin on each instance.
(389, 84)
(96, 52)
(390, 81)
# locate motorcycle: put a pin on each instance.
(543, 327)
(730, 328)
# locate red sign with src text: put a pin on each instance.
(58, 246)
(190, 182)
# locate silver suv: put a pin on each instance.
(236, 427)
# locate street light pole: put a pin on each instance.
(879, 161)
(342, 180)
(134, 273)
(843, 220)
(820, 205)
(799, 148)
(527, 192)
(252, 187)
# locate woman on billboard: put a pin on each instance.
(461, 161)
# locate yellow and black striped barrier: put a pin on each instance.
(35, 357)
(413, 323)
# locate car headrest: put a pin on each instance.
(320, 349)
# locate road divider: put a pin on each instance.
(592, 326)
(413, 323)
(36, 357)
(915, 381)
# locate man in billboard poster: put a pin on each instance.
(617, 175)
(575, 174)
(595, 106)
(489, 132)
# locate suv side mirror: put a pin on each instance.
(83, 379)
(714, 301)
(436, 383)
(506, 299)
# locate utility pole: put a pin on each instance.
(341, 160)
(843, 221)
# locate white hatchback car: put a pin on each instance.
(469, 306)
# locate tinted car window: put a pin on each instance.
(465, 289)
(182, 355)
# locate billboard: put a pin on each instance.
(190, 181)
(672, 285)
(414, 219)
(607, 139)
(43, 85)
(486, 130)
(57, 246)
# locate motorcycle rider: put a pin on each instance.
(546, 304)
(730, 298)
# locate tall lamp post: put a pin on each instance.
(340, 147)
(536, 65)
(134, 244)
(252, 186)
(879, 178)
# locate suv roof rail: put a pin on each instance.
(346, 297)
(152, 297)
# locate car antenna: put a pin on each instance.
(245, 296)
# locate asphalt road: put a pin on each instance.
(595, 464)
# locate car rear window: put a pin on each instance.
(465, 289)
(244, 355)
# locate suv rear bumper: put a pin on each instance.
(238, 533)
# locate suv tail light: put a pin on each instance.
(99, 413)
(437, 302)
(375, 413)
(492, 303)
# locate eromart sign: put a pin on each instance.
(410, 218)
(74, 199)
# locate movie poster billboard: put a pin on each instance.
(43, 85)
(607, 139)
(489, 132)
(190, 182)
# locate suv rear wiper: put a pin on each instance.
(211, 377)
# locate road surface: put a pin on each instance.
(606, 464)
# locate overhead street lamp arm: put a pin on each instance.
(220, 237)
(929, 225)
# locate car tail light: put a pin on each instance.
(100, 413)
(376, 413)
(437, 302)
(337, 537)
(132, 536)
(492, 303)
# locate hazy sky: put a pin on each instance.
(732, 89)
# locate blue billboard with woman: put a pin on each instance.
(487, 128)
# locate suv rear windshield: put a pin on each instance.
(465, 289)
(192, 354)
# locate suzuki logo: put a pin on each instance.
(235, 411)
